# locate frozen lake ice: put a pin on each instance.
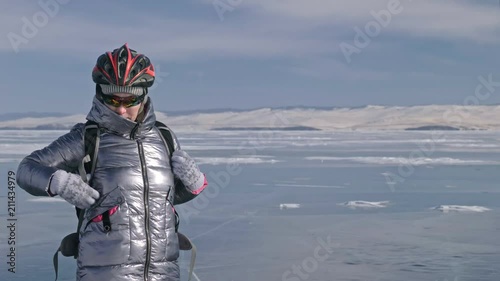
(386, 206)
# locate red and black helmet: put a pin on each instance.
(124, 67)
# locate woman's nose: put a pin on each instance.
(121, 110)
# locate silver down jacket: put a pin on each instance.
(132, 172)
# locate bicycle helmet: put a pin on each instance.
(123, 67)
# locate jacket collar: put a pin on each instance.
(109, 120)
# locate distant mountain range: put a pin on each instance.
(19, 115)
(371, 117)
(14, 116)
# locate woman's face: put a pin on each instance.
(125, 112)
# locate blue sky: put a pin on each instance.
(255, 53)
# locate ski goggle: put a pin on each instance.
(127, 102)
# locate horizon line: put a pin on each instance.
(227, 109)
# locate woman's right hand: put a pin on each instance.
(73, 189)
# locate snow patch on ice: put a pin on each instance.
(460, 209)
(403, 161)
(364, 204)
(233, 160)
(289, 206)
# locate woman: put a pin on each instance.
(128, 230)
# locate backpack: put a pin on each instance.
(69, 244)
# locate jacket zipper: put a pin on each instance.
(146, 209)
(134, 131)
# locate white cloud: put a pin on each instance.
(309, 31)
(278, 28)
(328, 69)
(450, 19)
(168, 39)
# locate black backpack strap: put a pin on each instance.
(91, 139)
(106, 222)
(69, 244)
(184, 243)
(167, 136)
(91, 142)
(168, 140)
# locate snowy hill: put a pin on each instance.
(362, 118)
